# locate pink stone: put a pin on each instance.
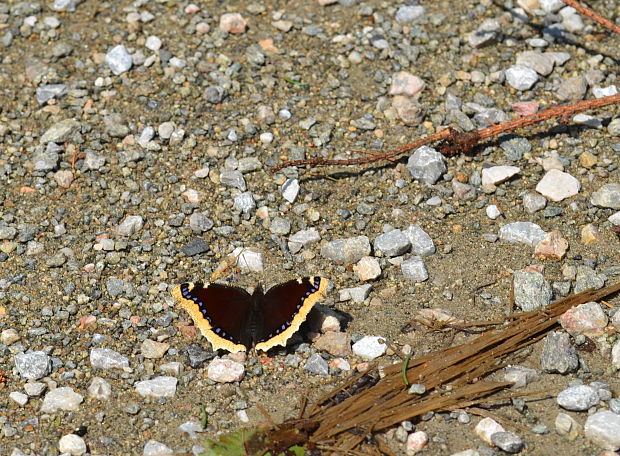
(233, 23)
(587, 319)
(192, 8)
(191, 196)
(367, 268)
(554, 246)
(334, 343)
(525, 108)
(404, 83)
(408, 110)
(557, 185)
(63, 178)
(225, 371)
(416, 441)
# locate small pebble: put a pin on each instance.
(370, 347)
(225, 371)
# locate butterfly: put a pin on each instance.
(235, 320)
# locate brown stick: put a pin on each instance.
(455, 142)
(594, 16)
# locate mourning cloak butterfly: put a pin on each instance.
(235, 320)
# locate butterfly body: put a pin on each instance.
(235, 320)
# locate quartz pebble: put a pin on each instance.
(522, 232)
(486, 428)
(290, 190)
(587, 319)
(130, 225)
(72, 444)
(225, 371)
(404, 83)
(497, 174)
(414, 269)
(521, 77)
(34, 389)
(590, 234)
(162, 386)
(603, 428)
(151, 349)
(567, 426)
(155, 448)
(233, 23)
(18, 397)
(558, 185)
(370, 347)
(63, 398)
(554, 246)
(100, 389)
(106, 358)
(33, 365)
(367, 268)
(521, 376)
(416, 441)
(119, 60)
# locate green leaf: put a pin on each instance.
(229, 444)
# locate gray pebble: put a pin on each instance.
(356, 294)
(7, 232)
(414, 269)
(115, 286)
(421, 242)
(578, 398)
(118, 59)
(191, 428)
(316, 365)
(507, 441)
(249, 164)
(393, 243)
(233, 178)
(531, 290)
(33, 365)
(280, 226)
(515, 147)
(215, 94)
(348, 250)
(406, 14)
(45, 93)
(587, 278)
(572, 89)
(195, 246)
(100, 389)
(488, 32)
(607, 196)
(558, 355)
(523, 232)
(61, 131)
(106, 358)
(46, 160)
(426, 165)
(93, 160)
(533, 202)
(197, 355)
(130, 225)
(200, 223)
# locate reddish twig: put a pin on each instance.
(455, 142)
(440, 135)
(594, 16)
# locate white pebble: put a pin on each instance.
(225, 371)
(493, 212)
(72, 444)
(370, 347)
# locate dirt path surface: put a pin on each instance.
(135, 145)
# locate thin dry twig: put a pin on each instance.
(454, 142)
(594, 16)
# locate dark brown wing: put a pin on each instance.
(285, 307)
(220, 311)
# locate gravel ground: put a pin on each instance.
(135, 142)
